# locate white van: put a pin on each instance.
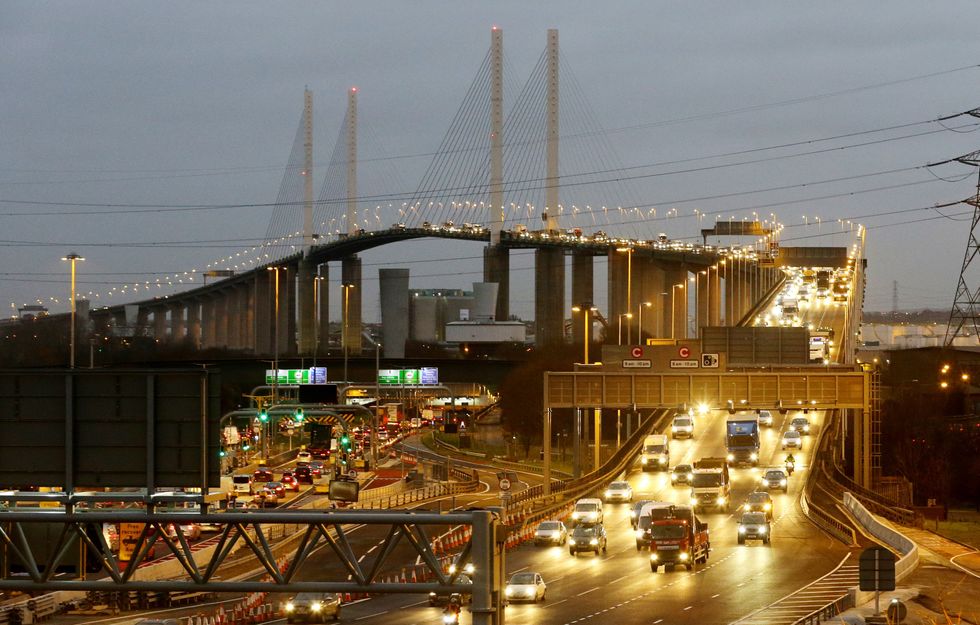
(587, 510)
(655, 455)
(242, 484)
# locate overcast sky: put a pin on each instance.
(187, 103)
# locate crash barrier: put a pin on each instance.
(817, 515)
(888, 536)
(35, 609)
(526, 467)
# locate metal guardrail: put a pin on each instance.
(822, 519)
(832, 609)
(897, 541)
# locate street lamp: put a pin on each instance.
(639, 331)
(629, 289)
(586, 311)
(72, 258)
(673, 307)
(628, 316)
(344, 338)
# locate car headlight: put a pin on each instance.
(575, 516)
(654, 557)
(754, 456)
(690, 476)
(609, 494)
(721, 499)
(747, 507)
(632, 514)
(782, 482)
(684, 556)
(639, 533)
(289, 606)
(694, 500)
(741, 530)
(432, 595)
(673, 428)
(452, 569)
(469, 568)
(767, 507)
(571, 541)
(315, 606)
(785, 441)
(663, 459)
(762, 530)
(806, 428)
(593, 515)
(594, 542)
(643, 460)
(509, 591)
(730, 457)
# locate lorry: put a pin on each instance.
(711, 488)
(650, 512)
(655, 455)
(679, 538)
(742, 439)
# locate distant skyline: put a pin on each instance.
(152, 138)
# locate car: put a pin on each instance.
(441, 597)
(759, 501)
(754, 526)
(550, 533)
(304, 474)
(587, 538)
(317, 468)
(525, 586)
(289, 481)
(681, 474)
(792, 438)
(304, 456)
(312, 607)
(775, 478)
(682, 426)
(262, 474)
(635, 511)
(275, 487)
(618, 492)
(191, 531)
(801, 425)
(320, 452)
(765, 418)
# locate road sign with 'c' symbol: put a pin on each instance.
(636, 352)
(684, 352)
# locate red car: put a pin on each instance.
(276, 488)
(289, 481)
(262, 474)
(317, 468)
(320, 453)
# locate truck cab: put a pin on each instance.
(679, 538)
(710, 488)
(648, 514)
(656, 453)
(742, 439)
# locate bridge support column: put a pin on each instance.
(209, 323)
(246, 316)
(350, 271)
(323, 312)
(305, 284)
(394, 311)
(496, 268)
(583, 289)
(263, 306)
(648, 289)
(714, 296)
(287, 311)
(233, 315)
(618, 269)
(160, 325)
(549, 296)
(221, 320)
(178, 328)
(194, 324)
(702, 301)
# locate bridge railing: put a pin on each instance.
(821, 518)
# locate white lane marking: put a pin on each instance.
(620, 579)
(688, 608)
(715, 596)
(554, 603)
(361, 618)
(587, 591)
(372, 549)
(659, 620)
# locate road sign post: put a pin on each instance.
(876, 571)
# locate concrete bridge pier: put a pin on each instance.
(650, 286)
(287, 311)
(617, 279)
(677, 285)
(178, 327)
(496, 268)
(323, 313)
(194, 323)
(583, 290)
(262, 328)
(305, 286)
(209, 323)
(159, 324)
(350, 305)
(549, 296)
(714, 296)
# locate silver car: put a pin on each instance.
(551, 533)
(754, 526)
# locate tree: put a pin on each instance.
(522, 394)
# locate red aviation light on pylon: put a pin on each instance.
(353, 89)
(495, 28)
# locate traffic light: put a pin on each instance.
(263, 416)
(299, 414)
(345, 442)
(246, 447)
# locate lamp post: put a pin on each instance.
(377, 406)
(629, 290)
(586, 311)
(343, 338)
(639, 331)
(72, 258)
(619, 340)
(316, 315)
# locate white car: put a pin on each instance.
(765, 418)
(800, 424)
(304, 456)
(526, 587)
(618, 492)
(792, 438)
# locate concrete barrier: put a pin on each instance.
(888, 536)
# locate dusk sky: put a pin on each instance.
(152, 138)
